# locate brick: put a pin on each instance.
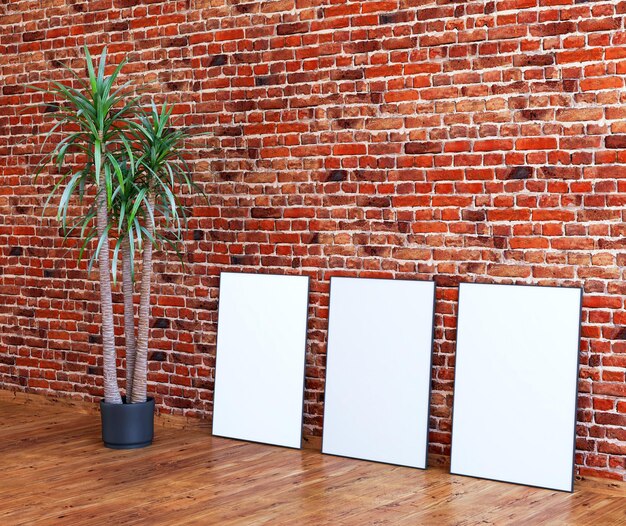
(552, 29)
(586, 55)
(615, 141)
(229, 34)
(612, 448)
(412, 253)
(291, 29)
(218, 60)
(536, 143)
(599, 24)
(536, 114)
(337, 175)
(520, 172)
(32, 36)
(493, 145)
(580, 114)
(533, 60)
(414, 148)
(612, 389)
(349, 149)
(508, 271)
(384, 71)
(602, 83)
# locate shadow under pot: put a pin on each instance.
(127, 426)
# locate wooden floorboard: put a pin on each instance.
(55, 471)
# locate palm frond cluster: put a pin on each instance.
(136, 152)
(123, 163)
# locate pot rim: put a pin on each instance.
(150, 400)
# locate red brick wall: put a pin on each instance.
(465, 141)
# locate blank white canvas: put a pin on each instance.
(378, 370)
(259, 370)
(515, 389)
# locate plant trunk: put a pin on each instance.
(111, 388)
(140, 379)
(129, 315)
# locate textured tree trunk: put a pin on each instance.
(129, 315)
(140, 380)
(111, 388)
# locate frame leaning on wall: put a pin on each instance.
(490, 438)
(260, 358)
(379, 363)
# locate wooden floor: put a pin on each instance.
(54, 470)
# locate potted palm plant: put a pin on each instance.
(123, 166)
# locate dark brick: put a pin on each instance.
(500, 242)
(266, 213)
(595, 360)
(413, 148)
(157, 356)
(12, 89)
(617, 142)
(347, 124)
(291, 29)
(246, 8)
(474, 215)
(202, 383)
(395, 18)
(121, 25)
(267, 80)
(242, 105)
(536, 114)
(522, 60)
(176, 86)
(229, 131)
(373, 202)
(7, 360)
(176, 42)
(347, 74)
(520, 172)
(31, 36)
(337, 175)
(161, 323)
(243, 260)
(218, 60)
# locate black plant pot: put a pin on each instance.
(127, 426)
